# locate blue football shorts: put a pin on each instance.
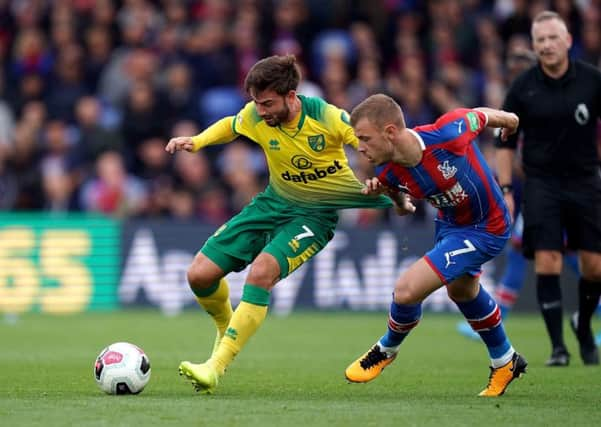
(462, 250)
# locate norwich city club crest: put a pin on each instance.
(317, 142)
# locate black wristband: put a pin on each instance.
(506, 189)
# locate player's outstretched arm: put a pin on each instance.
(508, 122)
(218, 133)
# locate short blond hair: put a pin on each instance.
(548, 15)
(380, 110)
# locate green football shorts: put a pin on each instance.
(290, 233)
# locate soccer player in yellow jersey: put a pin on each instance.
(285, 225)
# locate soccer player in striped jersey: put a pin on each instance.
(442, 164)
(284, 226)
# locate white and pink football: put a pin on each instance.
(122, 368)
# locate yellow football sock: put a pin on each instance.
(216, 302)
(246, 320)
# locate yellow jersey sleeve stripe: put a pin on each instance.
(234, 126)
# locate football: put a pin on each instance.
(122, 368)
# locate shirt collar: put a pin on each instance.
(569, 75)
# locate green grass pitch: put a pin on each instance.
(290, 374)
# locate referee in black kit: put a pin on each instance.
(558, 102)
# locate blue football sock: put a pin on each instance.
(484, 316)
(401, 319)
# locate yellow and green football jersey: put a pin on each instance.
(307, 163)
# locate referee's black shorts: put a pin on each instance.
(561, 213)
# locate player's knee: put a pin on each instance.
(405, 294)
(459, 294)
(590, 265)
(463, 289)
(263, 273)
(592, 272)
(203, 273)
(198, 277)
(547, 262)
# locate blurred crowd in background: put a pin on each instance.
(91, 90)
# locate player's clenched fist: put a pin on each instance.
(511, 127)
(179, 143)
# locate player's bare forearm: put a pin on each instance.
(508, 198)
(508, 122)
(504, 163)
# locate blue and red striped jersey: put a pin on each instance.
(453, 175)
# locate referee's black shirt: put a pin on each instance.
(558, 118)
